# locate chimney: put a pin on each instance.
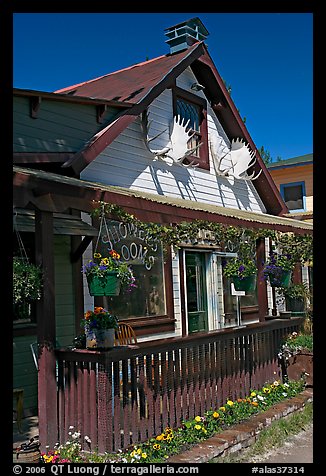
(185, 34)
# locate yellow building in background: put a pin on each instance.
(294, 179)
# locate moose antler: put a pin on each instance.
(240, 156)
(177, 148)
(145, 125)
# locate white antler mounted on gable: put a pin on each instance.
(176, 149)
(240, 158)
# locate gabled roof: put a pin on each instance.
(130, 84)
(142, 83)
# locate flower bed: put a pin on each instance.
(171, 442)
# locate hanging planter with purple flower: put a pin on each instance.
(243, 273)
(278, 269)
(107, 275)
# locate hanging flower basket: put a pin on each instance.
(247, 284)
(282, 280)
(108, 285)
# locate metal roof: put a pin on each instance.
(253, 217)
(300, 160)
(129, 84)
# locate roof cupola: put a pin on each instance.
(185, 34)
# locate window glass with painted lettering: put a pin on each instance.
(148, 297)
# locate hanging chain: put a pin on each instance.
(22, 250)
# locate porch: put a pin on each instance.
(131, 393)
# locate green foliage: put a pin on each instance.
(299, 246)
(297, 342)
(27, 281)
(297, 291)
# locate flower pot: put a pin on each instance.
(108, 285)
(99, 339)
(283, 280)
(247, 284)
(294, 304)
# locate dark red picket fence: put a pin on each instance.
(127, 395)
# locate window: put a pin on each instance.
(294, 196)
(149, 298)
(193, 108)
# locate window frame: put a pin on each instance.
(145, 325)
(283, 186)
(179, 93)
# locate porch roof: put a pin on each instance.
(63, 224)
(56, 183)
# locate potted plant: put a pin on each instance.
(296, 357)
(106, 275)
(278, 269)
(243, 273)
(99, 326)
(27, 286)
(297, 297)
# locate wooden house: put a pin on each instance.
(117, 139)
(294, 179)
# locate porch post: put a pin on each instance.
(261, 283)
(46, 331)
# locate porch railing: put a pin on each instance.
(127, 395)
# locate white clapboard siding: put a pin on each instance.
(127, 163)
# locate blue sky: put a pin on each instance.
(267, 58)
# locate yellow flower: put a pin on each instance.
(97, 255)
(216, 415)
(104, 262)
(133, 453)
(144, 455)
(223, 409)
(168, 438)
(253, 394)
(266, 390)
(139, 451)
(197, 427)
(160, 437)
(230, 403)
(198, 418)
(168, 430)
(156, 446)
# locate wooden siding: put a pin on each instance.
(127, 163)
(300, 173)
(24, 370)
(59, 127)
(64, 308)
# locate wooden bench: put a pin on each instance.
(19, 394)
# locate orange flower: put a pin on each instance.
(98, 310)
(88, 314)
(114, 254)
(255, 404)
